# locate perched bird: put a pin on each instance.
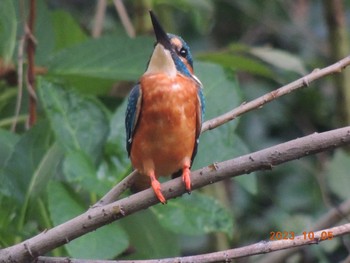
(164, 114)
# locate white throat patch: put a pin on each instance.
(161, 62)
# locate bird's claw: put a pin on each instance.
(186, 178)
(157, 190)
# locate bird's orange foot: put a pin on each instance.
(186, 177)
(156, 188)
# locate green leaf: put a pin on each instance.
(111, 57)
(148, 238)
(222, 94)
(8, 209)
(23, 162)
(338, 174)
(115, 147)
(62, 199)
(194, 214)
(8, 29)
(26, 173)
(45, 170)
(79, 123)
(280, 59)
(44, 34)
(6, 96)
(8, 141)
(67, 31)
(39, 181)
(248, 183)
(80, 171)
(238, 62)
(90, 85)
(105, 243)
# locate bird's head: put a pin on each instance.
(171, 54)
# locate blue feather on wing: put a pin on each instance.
(132, 114)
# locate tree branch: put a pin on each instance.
(124, 18)
(329, 219)
(259, 102)
(246, 107)
(95, 218)
(31, 43)
(20, 54)
(223, 256)
(101, 6)
(116, 191)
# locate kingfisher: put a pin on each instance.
(164, 114)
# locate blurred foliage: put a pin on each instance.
(76, 151)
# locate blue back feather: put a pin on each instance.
(131, 114)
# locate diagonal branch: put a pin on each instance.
(244, 108)
(124, 17)
(116, 191)
(227, 255)
(99, 216)
(31, 43)
(259, 102)
(99, 17)
(330, 218)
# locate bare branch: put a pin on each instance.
(116, 191)
(99, 18)
(223, 256)
(95, 218)
(129, 28)
(31, 43)
(329, 219)
(21, 44)
(259, 102)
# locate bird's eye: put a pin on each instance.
(183, 52)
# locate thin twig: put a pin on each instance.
(259, 102)
(99, 18)
(224, 256)
(20, 54)
(95, 218)
(9, 121)
(124, 17)
(31, 64)
(19, 81)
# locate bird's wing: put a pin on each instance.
(200, 117)
(132, 114)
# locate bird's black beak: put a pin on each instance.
(161, 35)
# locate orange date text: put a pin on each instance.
(279, 235)
(290, 235)
(324, 235)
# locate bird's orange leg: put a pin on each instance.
(156, 187)
(186, 176)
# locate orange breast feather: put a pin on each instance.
(165, 134)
